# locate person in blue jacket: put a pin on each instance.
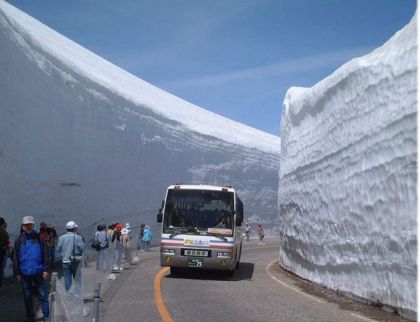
(30, 262)
(71, 247)
(147, 237)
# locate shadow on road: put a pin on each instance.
(244, 272)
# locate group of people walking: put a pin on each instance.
(120, 237)
(34, 254)
(116, 235)
(260, 230)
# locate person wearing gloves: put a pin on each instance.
(30, 262)
(71, 247)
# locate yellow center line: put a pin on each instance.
(161, 306)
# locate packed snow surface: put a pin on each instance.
(347, 189)
(82, 139)
(128, 86)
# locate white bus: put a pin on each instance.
(202, 228)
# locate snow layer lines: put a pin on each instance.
(132, 88)
(347, 189)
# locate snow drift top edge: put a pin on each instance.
(132, 88)
(298, 99)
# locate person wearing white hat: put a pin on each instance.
(30, 262)
(71, 247)
(71, 225)
(128, 228)
(126, 244)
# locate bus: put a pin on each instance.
(202, 228)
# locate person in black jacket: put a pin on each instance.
(117, 239)
(140, 245)
(4, 245)
(30, 262)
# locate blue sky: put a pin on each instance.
(234, 57)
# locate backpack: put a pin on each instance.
(96, 244)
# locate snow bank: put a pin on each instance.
(126, 85)
(347, 189)
(82, 139)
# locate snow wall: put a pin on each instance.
(82, 139)
(348, 174)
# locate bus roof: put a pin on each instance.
(201, 187)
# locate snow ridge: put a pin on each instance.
(132, 88)
(347, 190)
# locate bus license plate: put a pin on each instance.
(195, 252)
(195, 262)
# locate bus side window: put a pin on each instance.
(239, 212)
(159, 215)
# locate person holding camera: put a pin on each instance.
(71, 247)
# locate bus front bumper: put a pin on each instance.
(216, 263)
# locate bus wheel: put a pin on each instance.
(239, 257)
(230, 273)
(174, 271)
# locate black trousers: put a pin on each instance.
(2, 258)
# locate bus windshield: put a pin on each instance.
(199, 212)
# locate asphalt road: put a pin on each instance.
(259, 291)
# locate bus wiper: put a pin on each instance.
(181, 230)
(191, 229)
(219, 236)
(177, 232)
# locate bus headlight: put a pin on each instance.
(167, 251)
(224, 254)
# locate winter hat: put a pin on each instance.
(127, 225)
(118, 226)
(28, 220)
(71, 225)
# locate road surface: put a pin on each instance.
(259, 291)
